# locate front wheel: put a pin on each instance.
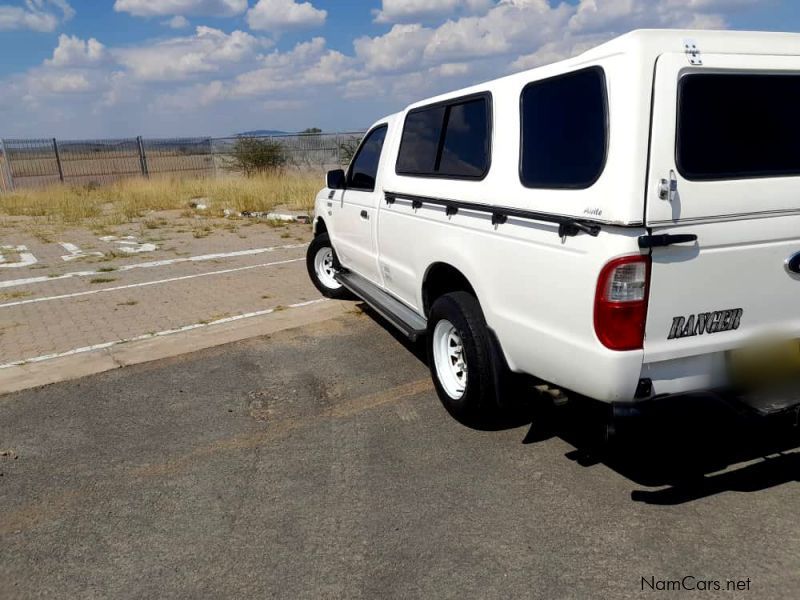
(461, 359)
(320, 262)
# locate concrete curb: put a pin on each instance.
(22, 377)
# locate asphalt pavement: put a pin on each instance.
(318, 463)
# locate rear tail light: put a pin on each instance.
(620, 303)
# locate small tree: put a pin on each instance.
(257, 155)
(312, 130)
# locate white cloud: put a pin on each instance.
(191, 97)
(39, 84)
(279, 15)
(63, 5)
(209, 78)
(308, 64)
(510, 26)
(400, 49)
(559, 50)
(620, 15)
(36, 15)
(415, 11)
(529, 32)
(163, 8)
(363, 88)
(176, 22)
(73, 51)
(451, 69)
(119, 88)
(61, 83)
(183, 57)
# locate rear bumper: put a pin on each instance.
(764, 404)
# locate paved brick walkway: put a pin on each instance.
(141, 282)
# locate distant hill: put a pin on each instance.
(258, 132)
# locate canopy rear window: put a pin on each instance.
(736, 126)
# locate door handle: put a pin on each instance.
(666, 239)
(364, 215)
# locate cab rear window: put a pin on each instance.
(737, 126)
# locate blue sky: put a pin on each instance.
(105, 68)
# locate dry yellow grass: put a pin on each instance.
(127, 200)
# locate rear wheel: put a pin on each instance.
(460, 358)
(320, 263)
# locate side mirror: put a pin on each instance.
(335, 179)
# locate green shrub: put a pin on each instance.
(257, 155)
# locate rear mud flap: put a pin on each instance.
(505, 383)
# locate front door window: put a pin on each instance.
(364, 169)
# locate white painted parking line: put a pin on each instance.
(149, 283)
(129, 244)
(204, 257)
(75, 252)
(150, 265)
(147, 336)
(26, 259)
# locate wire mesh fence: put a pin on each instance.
(94, 161)
(182, 157)
(26, 163)
(33, 162)
(5, 174)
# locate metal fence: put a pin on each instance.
(26, 163)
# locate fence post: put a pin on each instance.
(142, 157)
(213, 158)
(58, 161)
(9, 176)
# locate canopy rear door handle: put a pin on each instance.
(364, 215)
(666, 239)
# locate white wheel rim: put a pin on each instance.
(323, 267)
(449, 359)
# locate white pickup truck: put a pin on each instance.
(624, 224)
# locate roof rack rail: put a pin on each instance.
(567, 226)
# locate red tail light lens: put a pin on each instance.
(620, 303)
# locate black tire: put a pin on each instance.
(477, 405)
(318, 244)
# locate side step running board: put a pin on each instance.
(398, 314)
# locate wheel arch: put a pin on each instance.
(441, 278)
(320, 226)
